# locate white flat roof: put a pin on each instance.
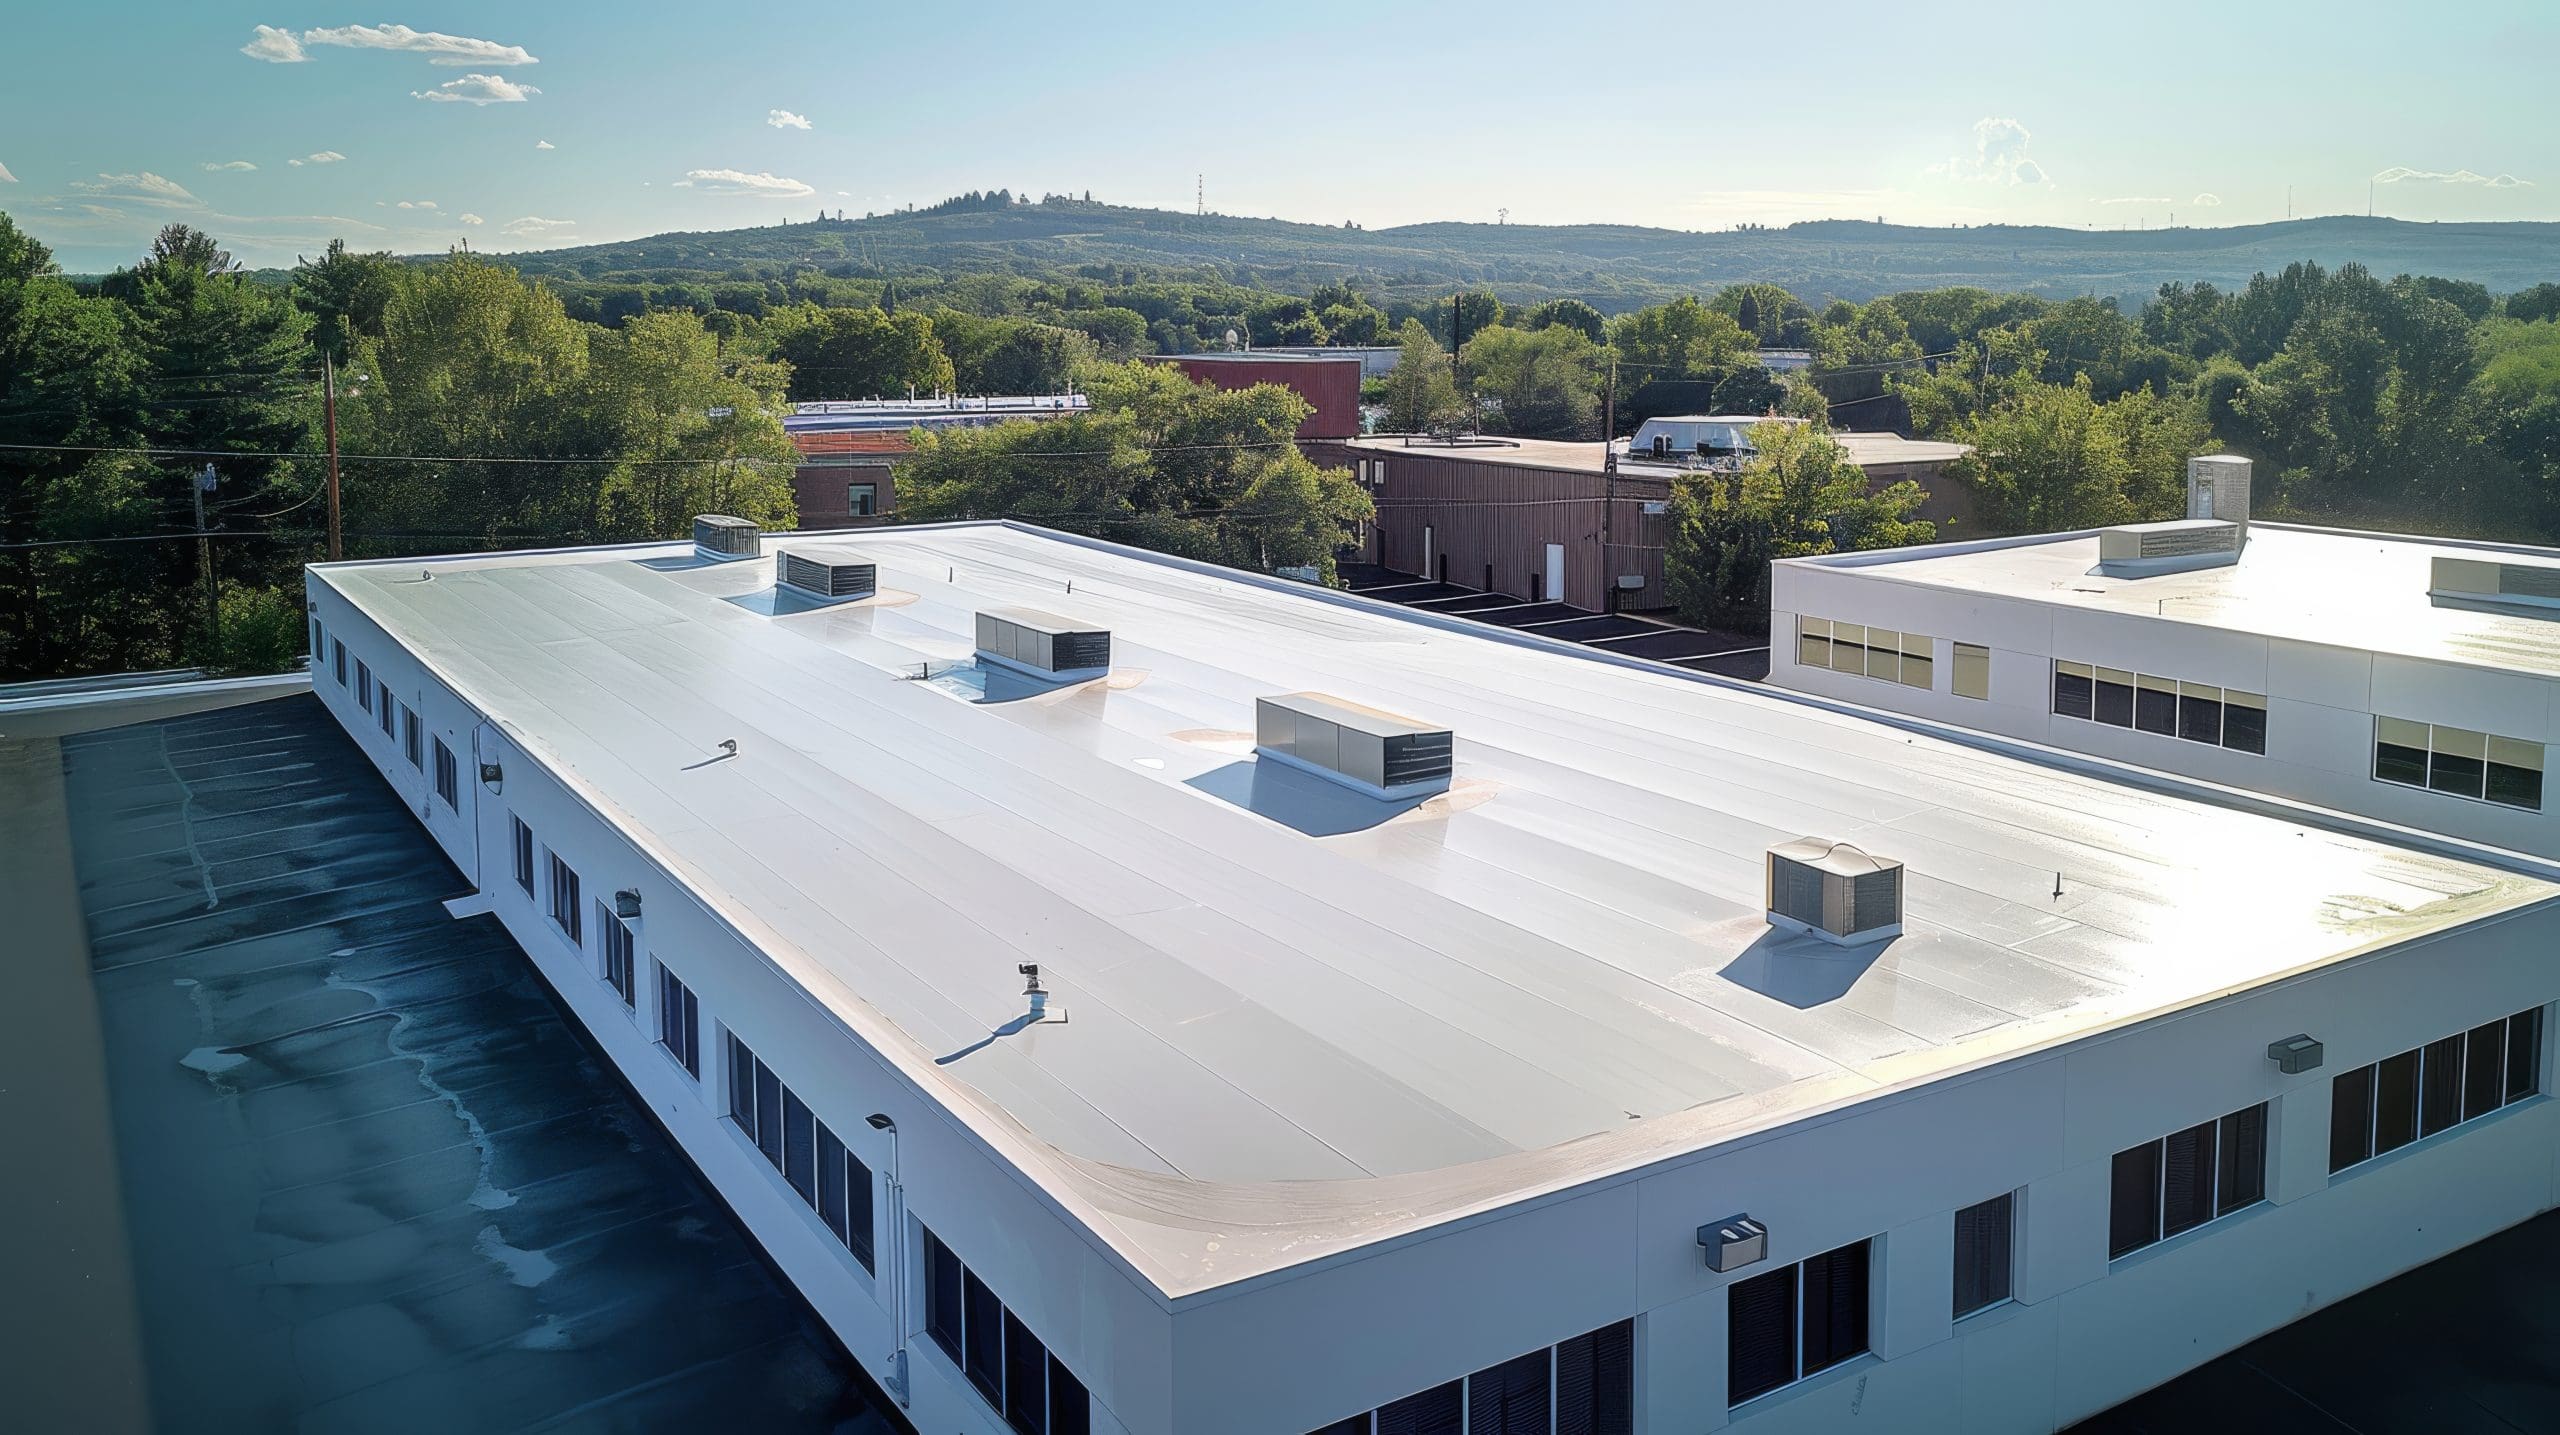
(1302, 1020)
(2363, 591)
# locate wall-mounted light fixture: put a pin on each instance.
(492, 776)
(1733, 1243)
(2296, 1054)
(626, 904)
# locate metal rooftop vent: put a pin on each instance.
(2534, 584)
(717, 535)
(1044, 645)
(2218, 488)
(830, 573)
(1834, 891)
(2179, 544)
(1362, 748)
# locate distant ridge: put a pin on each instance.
(1615, 266)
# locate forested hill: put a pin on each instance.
(1614, 266)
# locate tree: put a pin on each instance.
(2047, 461)
(1797, 495)
(1681, 339)
(1010, 356)
(344, 293)
(858, 353)
(1571, 314)
(2542, 301)
(694, 436)
(1545, 382)
(1420, 392)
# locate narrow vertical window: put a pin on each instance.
(679, 1023)
(2440, 1085)
(524, 856)
(2350, 1119)
(2133, 1200)
(2484, 1069)
(1972, 671)
(982, 1322)
(448, 777)
(2114, 700)
(2395, 1102)
(2244, 721)
(1985, 1250)
(1513, 1398)
(942, 1296)
(2186, 1180)
(799, 1147)
(742, 1085)
(2524, 1054)
(1026, 1378)
(2240, 1161)
(1070, 1408)
(1760, 1335)
(2071, 688)
(858, 1220)
(1835, 1307)
(409, 744)
(1813, 642)
(831, 1183)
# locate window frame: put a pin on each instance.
(1800, 1319)
(617, 949)
(2497, 754)
(679, 1021)
(524, 845)
(448, 777)
(2221, 1195)
(1994, 1290)
(1969, 668)
(2519, 1035)
(567, 898)
(411, 746)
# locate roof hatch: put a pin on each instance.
(1369, 751)
(1834, 891)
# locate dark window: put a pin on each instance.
(857, 1210)
(1026, 1371)
(2460, 762)
(1070, 1408)
(2515, 773)
(448, 777)
(742, 1086)
(1511, 1398)
(524, 856)
(2351, 1118)
(2440, 1086)
(2155, 706)
(2071, 689)
(409, 744)
(2200, 714)
(390, 712)
(983, 1317)
(338, 660)
(1835, 1307)
(568, 909)
(2400, 751)
(2395, 1102)
(769, 1114)
(316, 647)
(2115, 697)
(942, 1296)
(831, 1182)
(2524, 1054)
(1985, 1247)
(2244, 723)
(1596, 1382)
(680, 1022)
(364, 686)
(617, 951)
(1437, 1411)
(861, 499)
(799, 1147)
(2186, 1180)
(2133, 1200)
(2240, 1167)
(2484, 1069)
(1760, 1335)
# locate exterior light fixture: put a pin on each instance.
(492, 776)
(626, 903)
(2296, 1054)
(1733, 1243)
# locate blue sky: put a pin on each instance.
(521, 125)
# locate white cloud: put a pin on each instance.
(440, 49)
(1999, 155)
(2402, 174)
(477, 89)
(276, 47)
(417, 204)
(531, 227)
(544, 144)
(6, 177)
(469, 218)
(326, 156)
(2136, 199)
(235, 165)
(763, 185)
(2206, 201)
(785, 120)
(844, 194)
(142, 188)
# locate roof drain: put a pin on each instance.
(1043, 645)
(830, 575)
(1379, 753)
(723, 539)
(1834, 891)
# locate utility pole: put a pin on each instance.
(1608, 487)
(199, 484)
(329, 410)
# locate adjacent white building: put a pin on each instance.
(1126, 995)
(2413, 681)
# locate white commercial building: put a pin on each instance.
(1133, 996)
(2414, 681)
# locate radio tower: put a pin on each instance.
(1200, 194)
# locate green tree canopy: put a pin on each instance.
(858, 353)
(1544, 383)
(1420, 393)
(1797, 495)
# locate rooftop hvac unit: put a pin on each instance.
(718, 536)
(1043, 645)
(2218, 488)
(834, 574)
(1834, 891)
(2534, 584)
(2180, 543)
(1378, 753)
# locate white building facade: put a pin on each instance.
(1996, 1193)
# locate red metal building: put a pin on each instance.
(1331, 385)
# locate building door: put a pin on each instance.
(1430, 554)
(1555, 572)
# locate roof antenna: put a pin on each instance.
(1041, 1011)
(728, 747)
(1071, 585)
(2057, 886)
